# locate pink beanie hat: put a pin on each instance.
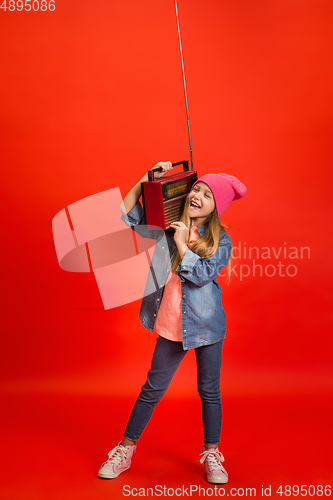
(225, 188)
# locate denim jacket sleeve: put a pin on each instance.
(201, 271)
(136, 220)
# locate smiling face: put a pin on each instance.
(201, 203)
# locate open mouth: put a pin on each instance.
(195, 205)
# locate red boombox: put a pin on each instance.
(164, 198)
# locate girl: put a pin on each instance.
(187, 259)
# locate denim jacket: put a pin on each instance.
(203, 317)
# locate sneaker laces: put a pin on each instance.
(214, 458)
(116, 455)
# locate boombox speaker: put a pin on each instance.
(164, 198)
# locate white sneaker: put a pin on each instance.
(215, 471)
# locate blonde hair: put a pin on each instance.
(206, 245)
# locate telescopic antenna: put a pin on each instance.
(181, 57)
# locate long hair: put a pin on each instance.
(206, 245)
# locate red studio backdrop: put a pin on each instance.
(91, 98)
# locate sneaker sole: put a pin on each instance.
(108, 476)
(221, 481)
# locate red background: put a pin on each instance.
(92, 97)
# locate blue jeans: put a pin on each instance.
(166, 359)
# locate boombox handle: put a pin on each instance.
(158, 169)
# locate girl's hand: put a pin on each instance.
(180, 237)
(165, 166)
(134, 194)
